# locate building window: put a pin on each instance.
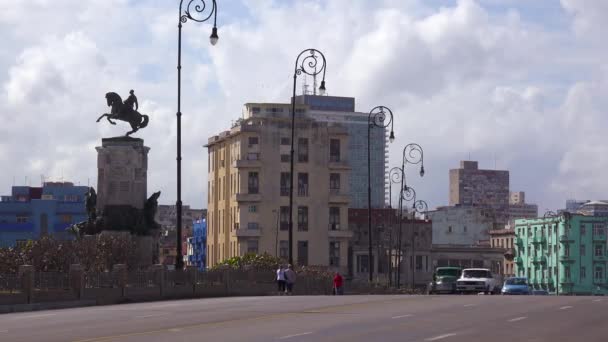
(284, 218)
(303, 218)
(599, 250)
(334, 150)
(255, 110)
(253, 226)
(253, 209)
(599, 275)
(334, 253)
(253, 183)
(418, 262)
(303, 253)
(285, 180)
(253, 141)
(464, 229)
(252, 246)
(567, 250)
(583, 272)
(302, 150)
(583, 250)
(253, 156)
(583, 229)
(334, 183)
(334, 218)
(284, 249)
(449, 229)
(303, 184)
(598, 229)
(362, 263)
(21, 219)
(567, 272)
(285, 141)
(285, 158)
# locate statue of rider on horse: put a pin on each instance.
(126, 111)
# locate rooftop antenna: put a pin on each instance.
(304, 86)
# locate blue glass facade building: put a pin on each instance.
(342, 110)
(31, 212)
(197, 244)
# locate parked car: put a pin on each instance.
(444, 280)
(477, 280)
(516, 286)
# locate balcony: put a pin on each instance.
(599, 258)
(337, 130)
(338, 165)
(599, 237)
(539, 239)
(519, 242)
(519, 260)
(335, 196)
(566, 259)
(244, 232)
(247, 163)
(335, 232)
(565, 238)
(248, 197)
(566, 280)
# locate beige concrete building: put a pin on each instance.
(471, 186)
(248, 182)
(504, 239)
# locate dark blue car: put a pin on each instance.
(516, 286)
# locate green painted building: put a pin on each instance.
(566, 253)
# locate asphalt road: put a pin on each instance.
(323, 318)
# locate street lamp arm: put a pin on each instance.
(200, 8)
(408, 194)
(312, 64)
(378, 117)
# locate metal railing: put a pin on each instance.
(100, 280)
(51, 280)
(9, 282)
(142, 278)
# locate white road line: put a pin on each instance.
(175, 330)
(154, 315)
(35, 316)
(440, 337)
(402, 316)
(597, 300)
(295, 335)
(517, 319)
(565, 307)
(468, 305)
(162, 306)
(3, 331)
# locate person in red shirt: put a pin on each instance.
(338, 284)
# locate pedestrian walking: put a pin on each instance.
(281, 279)
(290, 279)
(338, 284)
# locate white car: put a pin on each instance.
(477, 280)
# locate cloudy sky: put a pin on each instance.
(517, 85)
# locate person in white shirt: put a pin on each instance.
(281, 279)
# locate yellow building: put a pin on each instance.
(248, 182)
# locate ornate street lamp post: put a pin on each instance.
(377, 118)
(419, 207)
(200, 15)
(310, 62)
(412, 154)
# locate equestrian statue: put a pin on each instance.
(126, 111)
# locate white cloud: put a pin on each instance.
(460, 79)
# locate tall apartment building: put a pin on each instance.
(471, 186)
(341, 110)
(248, 197)
(518, 208)
(565, 253)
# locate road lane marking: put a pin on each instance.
(597, 300)
(402, 316)
(153, 315)
(517, 319)
(35, 316)
(469, 305)
(565, 307)
(175, 330)
(162, 306)
(440, 337)
(295, 335)
(3, 331)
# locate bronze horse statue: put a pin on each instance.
(124, 112)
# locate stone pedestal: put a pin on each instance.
(122, 165)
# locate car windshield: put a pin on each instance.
(448, 272)
(476, 274)
(516, 281)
